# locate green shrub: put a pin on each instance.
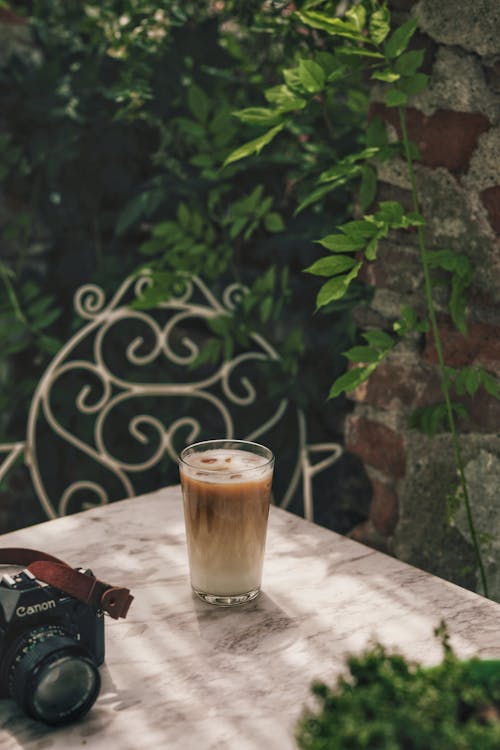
(388, 703)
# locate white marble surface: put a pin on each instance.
(184, 675)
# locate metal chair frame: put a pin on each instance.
(90, 304)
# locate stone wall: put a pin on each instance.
(456, 124)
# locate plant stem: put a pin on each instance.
(439, 349)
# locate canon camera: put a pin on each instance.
(51, 646)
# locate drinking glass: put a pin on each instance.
(226, 488)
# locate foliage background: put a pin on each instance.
(115, 123)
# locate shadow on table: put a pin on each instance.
(259, 625)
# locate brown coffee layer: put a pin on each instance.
(226, 530)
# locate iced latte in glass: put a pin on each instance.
(226, 487)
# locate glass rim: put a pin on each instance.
(211, 442)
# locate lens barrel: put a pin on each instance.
(52, 676)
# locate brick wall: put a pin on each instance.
(456, 124)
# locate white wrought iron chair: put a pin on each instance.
(90, 425)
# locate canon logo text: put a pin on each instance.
(35, 608)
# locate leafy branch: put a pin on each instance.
(400, 70)
(386, 701)
(364, 38)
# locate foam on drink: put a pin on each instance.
(226, 506)
(221, 465)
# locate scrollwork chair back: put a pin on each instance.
(121, 398)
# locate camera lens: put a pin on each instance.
(52, 676)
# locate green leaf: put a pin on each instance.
(409, 62)
(345, 170)
(449, 260)
(330, 64)
(331, 265)
(457, 303)
(266, 309)
(220, 325)
(357, 16)
(341, 173)
(312, 76)
(471, 381)
(371, 249)
(39, 306)
(319, 193)
(368, 187)
(399, 39)
(7, 271)
(238, 226)
(415, 219)
(198, 103)
(336, 287)
(49, 344)
(292, 79)
(379, 25)
(183, 216)
(376, 133)
(379, 339)
(283, 98)
(429, 419)
(273, 222)
(141, 205)
(253, 147)
(414, 150)
(350, 380)
(408, 321)
(415, 84)
(266, 282)
(348, 164)
(390, 212)
(489, 383)
(332, 290)
(349, 59)
(359, 229)
(432, 419)
(395, 98)
(209, 354)
(167, 230)
(333, 26)
(362, 354)
(387, 75)
(247, 206)
(341, 243)
(44, 321)
(257, 115)
(205, 161)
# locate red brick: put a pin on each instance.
(481, 346)
(491, 202)
(384, 508)
(396, 385)
(377, 445)
(445, 139)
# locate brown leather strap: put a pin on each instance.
(87, 588)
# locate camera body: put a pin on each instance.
(28, 606)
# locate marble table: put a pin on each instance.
(184, 675)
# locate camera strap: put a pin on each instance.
(82, 585)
